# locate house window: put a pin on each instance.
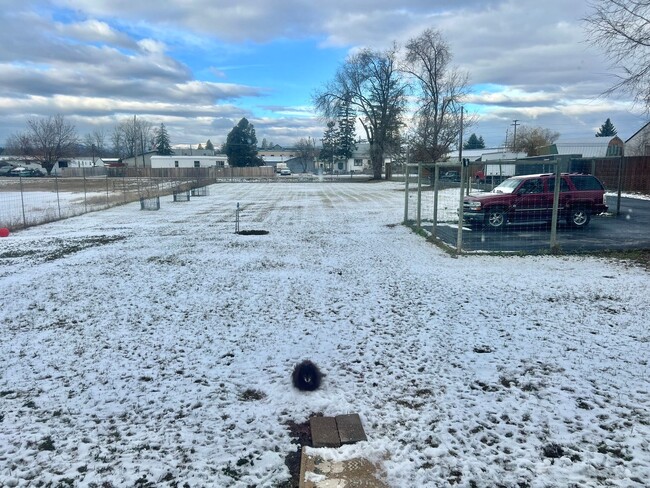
(197, 164)
(175, 164)
(219, 164)
(358, 162)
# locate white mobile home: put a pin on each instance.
(196, 161)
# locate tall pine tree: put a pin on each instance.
(607, 129)
(161, 142)
(346, 132)
(330, 141)
(241, 145)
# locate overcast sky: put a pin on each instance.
(200, 66)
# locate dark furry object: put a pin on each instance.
(306, 376)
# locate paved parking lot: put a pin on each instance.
(629, 230)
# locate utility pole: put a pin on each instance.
(460, 142)
(135, 142)
(514, 137)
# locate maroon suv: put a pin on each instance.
(529, 198)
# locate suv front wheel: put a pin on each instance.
(579, 217)
(496, 218)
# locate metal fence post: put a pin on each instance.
(619, 184)
(436, 177)
(556, 204)
(406, 193)
(22, 200)
(459, 237)
(58, 199)
(419, 209)
(83, 170)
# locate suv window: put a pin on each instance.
(532, 186)
(586, 182)
(564, 186)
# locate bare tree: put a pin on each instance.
(19, 144)
(306, 149)
(52, 138)
(95, 142)
(371, 84)
(132, 137)
(622, 29)
(440, 89)
(530, 139)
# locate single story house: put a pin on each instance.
(139, 161)
(194, 161)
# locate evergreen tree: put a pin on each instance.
(209, 146)
(161, 142)
(264, 144)
(474, 142)
(330, 138)
(241, 145)
(607, 129)
(345, 141)
(199, 147)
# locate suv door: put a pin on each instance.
(531, 201)
(565, 194)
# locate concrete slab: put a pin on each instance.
(324, 432)
(316, 472)
(350, 428)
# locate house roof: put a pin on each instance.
(594, 147)
(637, 132)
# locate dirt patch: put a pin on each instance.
(60, 248)
(70, 247)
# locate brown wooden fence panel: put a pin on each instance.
(635, 173)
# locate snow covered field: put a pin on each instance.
(155, 348)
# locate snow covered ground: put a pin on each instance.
(155, 348)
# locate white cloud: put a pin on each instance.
(113, 56)
(92, 30)
(509, 96)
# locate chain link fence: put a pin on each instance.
(28, 201)
(434, 195)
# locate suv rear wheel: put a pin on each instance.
(579, 217)
(496, 218)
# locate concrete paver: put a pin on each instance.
(317, 472)
(324, 432)
(350, 428)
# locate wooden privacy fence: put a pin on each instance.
(634, 173)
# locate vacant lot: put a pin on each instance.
(155, 348)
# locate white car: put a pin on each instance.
(285, 172)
